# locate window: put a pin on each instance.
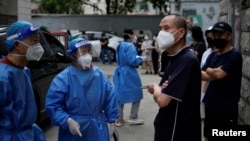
(143, 7)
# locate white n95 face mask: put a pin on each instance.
(165, 39)
(85, 61)
(34, 52)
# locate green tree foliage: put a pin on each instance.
(120, 7)
(62, 6)
(159, 4)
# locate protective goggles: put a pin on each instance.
(24, 33)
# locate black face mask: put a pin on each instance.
(220, 43)
(210, 41)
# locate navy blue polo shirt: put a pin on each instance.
(180, 120)
(222, 95)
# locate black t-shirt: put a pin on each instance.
(154, 51)
(138, 45)
(223, 95)
(181, 118)
(163, 62)
(200, 47)
(104, 39)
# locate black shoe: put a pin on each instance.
(146, 72)
(150, 72)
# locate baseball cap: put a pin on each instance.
(222, 27)
(208, 30)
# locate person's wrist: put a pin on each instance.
(155, 95)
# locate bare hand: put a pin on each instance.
(164, 85)
(209, 70)
(150, 88)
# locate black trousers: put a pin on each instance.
(155, 58)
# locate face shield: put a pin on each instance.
(26, 32)
(81, 50)
(19, 31)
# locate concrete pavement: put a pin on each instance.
(147, 111)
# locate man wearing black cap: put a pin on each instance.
(223, 71)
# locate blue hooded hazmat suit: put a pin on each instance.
(126, 78)
(17, 106)
(86, 96)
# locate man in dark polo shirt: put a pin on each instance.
(178, 94)
(223, 71)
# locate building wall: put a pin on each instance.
(8, 12)
(24, 10)
(240, 21)
(8, 8)
(204, 13)
(244, 104)
(14, 10)
(115, 23)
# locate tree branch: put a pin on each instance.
(93, 5)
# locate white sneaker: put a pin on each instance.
(135, 121)
(119, 123)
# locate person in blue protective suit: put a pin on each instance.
(17, 103)
(127, 80)
(81, 99)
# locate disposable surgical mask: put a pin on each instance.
(146, 38)
(165, 39)
(33, 53)
(189, 37)
(85, 61)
